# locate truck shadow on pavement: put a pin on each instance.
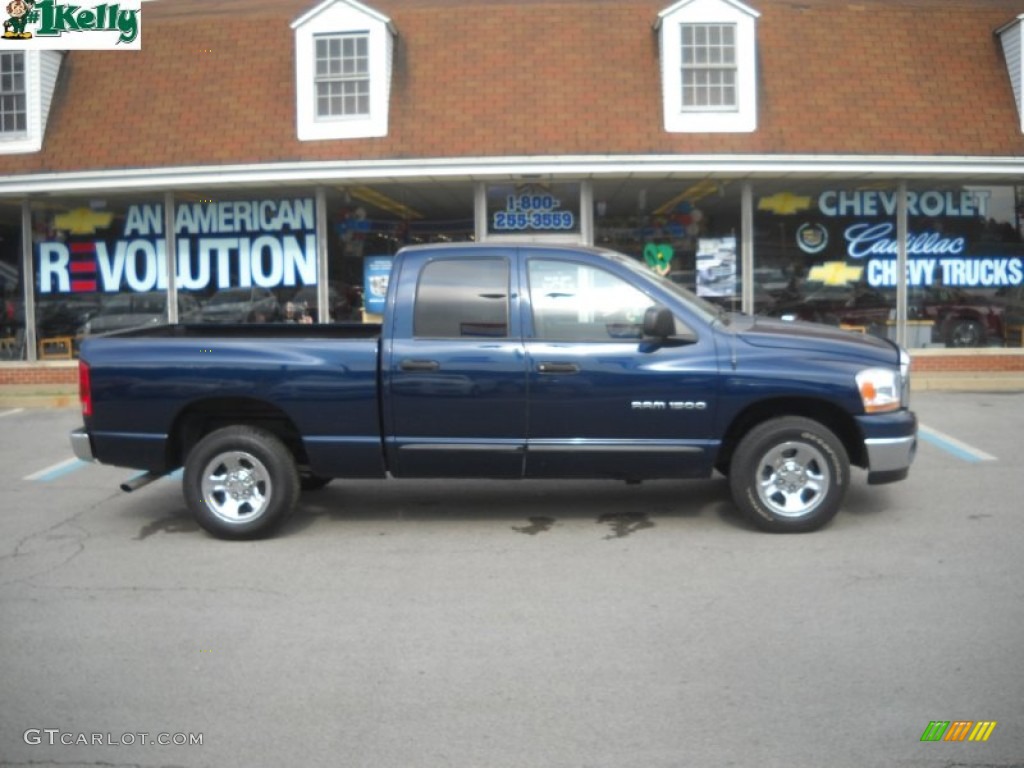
(526, 508)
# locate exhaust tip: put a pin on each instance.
(134, 483)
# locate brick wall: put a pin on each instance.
(974, 361)
(25, 374)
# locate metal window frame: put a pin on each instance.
(20, 95)
(701, 70)
(362, 80)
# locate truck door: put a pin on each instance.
(602, 400)
(455, 370)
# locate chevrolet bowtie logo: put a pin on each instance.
(784, 203)
(82, 221)
(835, 273)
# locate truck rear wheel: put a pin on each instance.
(240, 482)
(789, 475)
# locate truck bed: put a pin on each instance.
(323, 381)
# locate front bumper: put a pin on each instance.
(890, 446)
(81, 444)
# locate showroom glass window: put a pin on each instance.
(826, 253)
(12, 286)
(246, 258)
(368, 224)
(98, 266)
(686, 229)
(965, 264)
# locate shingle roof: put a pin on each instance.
(214, 84)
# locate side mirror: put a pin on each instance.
(659, 323)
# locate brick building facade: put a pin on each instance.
(780, 156)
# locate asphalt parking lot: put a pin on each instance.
(493, 624)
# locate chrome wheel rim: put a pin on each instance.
(236, 487)
(793, 478)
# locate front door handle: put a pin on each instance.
(558, 368)
(419, 365)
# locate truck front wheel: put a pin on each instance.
(240, 482)
(789, 475)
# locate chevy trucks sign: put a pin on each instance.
(239, 244)
(954, 239)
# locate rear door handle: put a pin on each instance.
(558, 368)
(419, 365)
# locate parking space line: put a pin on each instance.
(951, 445)
(11, 412)
(59, 469)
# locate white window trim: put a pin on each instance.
(678, 119)
(41, 69)
(336, 17)
(1011, 36)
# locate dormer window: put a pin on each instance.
(27, 82)
(708, 66)
(343, 55)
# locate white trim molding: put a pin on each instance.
(969, 169)
(1012, 38)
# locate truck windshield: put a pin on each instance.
(707, 311)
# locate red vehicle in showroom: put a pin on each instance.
(961, 319)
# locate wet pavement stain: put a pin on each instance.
(537, 525)
(167, 525)
(624, 524)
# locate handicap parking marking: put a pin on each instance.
(59, 469)
(68, 466)
(11, 412)
(951, 445)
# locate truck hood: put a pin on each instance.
(814, 338)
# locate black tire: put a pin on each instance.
(789, 475)
(310, 482)
(240, 482)
(964, 332)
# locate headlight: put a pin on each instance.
(879, 389)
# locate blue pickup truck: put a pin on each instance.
(503, 361)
